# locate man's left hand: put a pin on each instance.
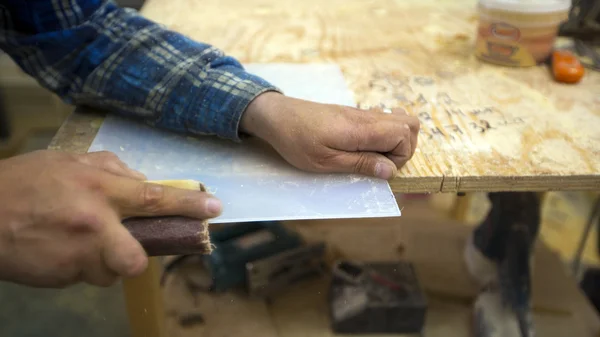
(332, 138)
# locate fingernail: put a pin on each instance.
(213, 206)
(383, 171)
(406, 127)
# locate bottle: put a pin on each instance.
(519, 33)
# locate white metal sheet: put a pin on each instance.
(251, 179)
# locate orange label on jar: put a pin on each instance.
(499, 43)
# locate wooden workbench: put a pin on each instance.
(543, 135)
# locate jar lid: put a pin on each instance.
(528, 6)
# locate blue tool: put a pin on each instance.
(238, 244)
(263, 258)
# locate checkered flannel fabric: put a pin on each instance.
(92, 52)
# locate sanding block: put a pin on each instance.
(171, 235)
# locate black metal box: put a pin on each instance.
(376, 297)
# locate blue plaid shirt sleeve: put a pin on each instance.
(92, 52)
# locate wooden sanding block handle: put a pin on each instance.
(172, 235)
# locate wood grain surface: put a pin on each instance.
(484, 127)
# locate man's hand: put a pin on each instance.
(60, 217)
(332, 138)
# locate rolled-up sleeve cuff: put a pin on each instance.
(221, 101)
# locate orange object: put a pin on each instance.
(566, 67)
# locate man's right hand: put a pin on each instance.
(60, 217)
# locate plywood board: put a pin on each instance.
(485, 128)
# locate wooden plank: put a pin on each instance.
(144, 301)
(77, 132)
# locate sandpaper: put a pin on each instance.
(170, 235)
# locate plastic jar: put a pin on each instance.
(518, 33)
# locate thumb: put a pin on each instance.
(141, 198)
(367, 163)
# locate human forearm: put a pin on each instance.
(100, 55)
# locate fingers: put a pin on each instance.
(134, 197)
(414, 138)
(97, 273)
(139, 198)
(413, 122)
(404, 141)
(109, 162)
(402, 152)
(383, 135)
(111, 251)
(365, 163)
(121, 253)
(414, 125)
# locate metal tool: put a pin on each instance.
(261, 257)
(373, 282)
(236, 245)
(270, 275)
(376, 297)
(583, 26)
(583, 22)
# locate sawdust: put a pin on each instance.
(545, 155)
(507, 142)
(585, 122)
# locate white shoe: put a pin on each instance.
(494, 319)
(481, 268)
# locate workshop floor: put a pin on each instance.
(302, 311)
(431, 242)
(95, 312)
